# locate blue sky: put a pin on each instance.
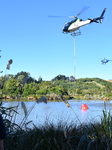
(36, 44)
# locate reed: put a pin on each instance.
(60, 136)
(98, 135)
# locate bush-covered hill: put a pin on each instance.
(23, 84)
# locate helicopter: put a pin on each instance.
(75, 24)
(104, 61)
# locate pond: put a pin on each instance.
(58, 112)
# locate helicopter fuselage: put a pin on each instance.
(75, 25)
(104, 61)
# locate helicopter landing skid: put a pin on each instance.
(76, 33)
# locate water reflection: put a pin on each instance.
(84, 116)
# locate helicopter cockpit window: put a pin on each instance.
(67, 24)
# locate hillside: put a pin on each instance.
(91, 86)
(23, 85)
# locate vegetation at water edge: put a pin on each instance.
(23, 86)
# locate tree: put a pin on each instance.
(79, 91)
(60, 77)
(30, 89)
(71, 78)
(108, 88)
(21, 78)
(22, 73)
(41, 92)
(12, 87)
(40, 79)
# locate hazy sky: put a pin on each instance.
(36, 44)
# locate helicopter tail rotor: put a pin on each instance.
(99, 19)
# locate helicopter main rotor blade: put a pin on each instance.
(83, 9)
(61, 16)
(58, 16)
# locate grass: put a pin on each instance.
(93, 136)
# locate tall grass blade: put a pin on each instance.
(24, 108)
(65, 101)
(68, 105)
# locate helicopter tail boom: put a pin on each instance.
(99, 19)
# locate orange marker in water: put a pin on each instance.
(104, 99)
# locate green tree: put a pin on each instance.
(22, 73)
(21, 78)
(42, 92)
(40, 79)
(71, 78)
(79, 91)
(12, 87)
(30, 89)
(108, 88)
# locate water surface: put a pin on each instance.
(58, 112)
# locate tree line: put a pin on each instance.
(22, 84)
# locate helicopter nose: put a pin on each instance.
(64, 29)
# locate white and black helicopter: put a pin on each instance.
(75, 24)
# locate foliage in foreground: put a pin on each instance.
(60, 137)
(93, 136)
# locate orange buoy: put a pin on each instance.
(84, 107)
(104, 99)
